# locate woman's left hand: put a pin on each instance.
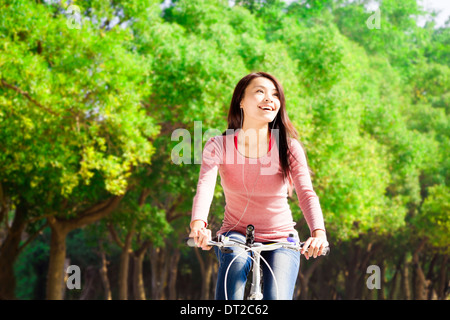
(315, 244)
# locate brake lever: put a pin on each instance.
(221, 238)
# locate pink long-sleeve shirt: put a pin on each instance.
(268, 209)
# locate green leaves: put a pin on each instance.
(76, 102)
(433, 221)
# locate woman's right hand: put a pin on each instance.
(200, 234)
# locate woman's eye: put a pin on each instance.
(275, 94)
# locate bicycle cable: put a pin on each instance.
(261, 257)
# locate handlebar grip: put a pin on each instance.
(326, 251)
(190, 242)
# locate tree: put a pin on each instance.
(74, 95)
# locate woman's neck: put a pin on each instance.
(254, 141)
(255, 134)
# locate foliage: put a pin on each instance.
(434, 216)
(74, 94)
(89, 112)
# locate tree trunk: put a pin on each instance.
(159, 267)
(175, 258)
(393, 284)
(380, 291)
(405, 280)
(351, 274)
(123, 274)
(124, 265)
(9, 251)
(88, 291)
(65, 277)
(60, 228)
(443, 278)
(206, 271)
(431, 278)
(304, 277)
(420, 282)
(303, 294)
(202, 273)
(138, 279)
(55, 277)
(210, 261)
(214, 276)
(104, 274)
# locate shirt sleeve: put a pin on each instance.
(211, 159)
(307, 197)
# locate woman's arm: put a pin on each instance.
(211, 160)
(308, 201)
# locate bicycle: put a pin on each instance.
(224, 244)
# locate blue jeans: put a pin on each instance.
(284, 263)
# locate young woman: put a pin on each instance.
(259, 160)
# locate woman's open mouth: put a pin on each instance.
(266, 108)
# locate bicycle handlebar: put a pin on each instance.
(225, 242)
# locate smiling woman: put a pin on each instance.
(254, 90)
(257, 105)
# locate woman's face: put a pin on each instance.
(259, 95)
